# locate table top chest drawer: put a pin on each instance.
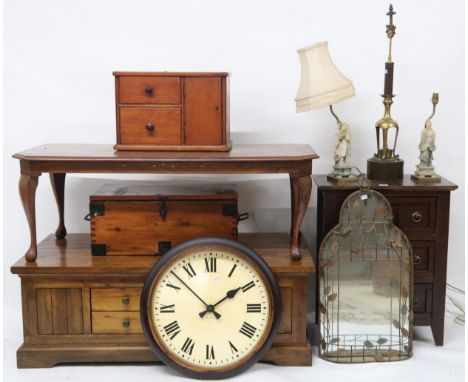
(149, 90)
(164, 111)
(150, 125)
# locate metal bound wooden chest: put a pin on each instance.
(142, 219)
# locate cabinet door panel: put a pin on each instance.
(59, 310)
(203, 111)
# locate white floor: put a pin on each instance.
(429, 363)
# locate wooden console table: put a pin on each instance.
(60, 159)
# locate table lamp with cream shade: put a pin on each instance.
(322, 84)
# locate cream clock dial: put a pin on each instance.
(210, 308)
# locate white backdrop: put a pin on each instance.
(59, 58)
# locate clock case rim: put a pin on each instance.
(272, 287)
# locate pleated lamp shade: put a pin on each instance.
(322, 84)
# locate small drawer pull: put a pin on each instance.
(149, 90)
(417, 259)
(415, 302)
(126, 323)
(125, 300)
(416, 217)
(149, 126)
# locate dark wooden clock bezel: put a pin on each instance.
(237, 249)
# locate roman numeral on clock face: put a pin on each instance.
(233, 348)
(188, 345)
(210, 352)
(210, 264)
(172, 329)
(232, 270)
(172, 286)
(167, 308)
(254, 308)
(247, 286)
(248, 329)
(189, 269)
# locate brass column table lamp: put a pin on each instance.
(322, 84)
(385, 164)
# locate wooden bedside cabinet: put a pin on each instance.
(166, 111)
(421, 211)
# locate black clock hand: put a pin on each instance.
(230, 294)
(190, 289)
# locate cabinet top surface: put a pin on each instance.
(73, 256)
(172, 74)
(106, 152)
(407, 183)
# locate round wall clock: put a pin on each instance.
(210, 308)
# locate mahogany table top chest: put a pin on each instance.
(169, 111)
(421, 211)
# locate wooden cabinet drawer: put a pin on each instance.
(415, 213)
(116, 323)
(423, 259)
(142, 126)
(115, 299)
(149, 90)
(422, 304)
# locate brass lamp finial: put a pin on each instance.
(390, 31)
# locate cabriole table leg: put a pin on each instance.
(27, 190)
(58, 186)
(301, 188)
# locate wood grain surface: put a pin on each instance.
(165, 123)
(203, 111)
(165, 90)
(73, 256)
(137, 227)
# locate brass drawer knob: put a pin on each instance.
(149, 90)
(125, 300)
(417, 260)
(415, 302)
(416, 217)
(126, 323)
(149, 126)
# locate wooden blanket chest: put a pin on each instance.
(144, 219)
